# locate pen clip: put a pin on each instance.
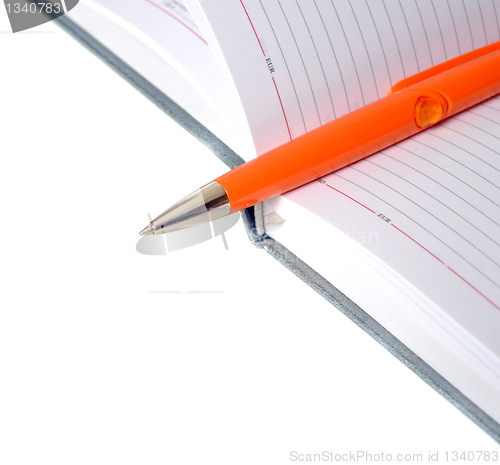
(441, 68)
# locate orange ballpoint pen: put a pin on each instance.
(411, 106)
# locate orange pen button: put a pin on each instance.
(428, 111)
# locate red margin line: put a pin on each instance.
(418, 243)
(282, 108)
(477, 290)
(251, 24)
(178, 20)
(274, 81)
(451, 269)
(427, 250)
(340, 192)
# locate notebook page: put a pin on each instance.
(166, 28)
(429, 207)
(301, 63)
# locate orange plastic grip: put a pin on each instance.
(363, 132)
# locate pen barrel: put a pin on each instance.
(326, 149)
(468, 84)
(359, 134)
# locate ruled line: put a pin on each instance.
(318, 57)
(178, 20)
(421, 246)
(468, 24)
(290, 75)
(454, 27)
(442, 185)
(444, 243)
(440, 29)
(482, 21)
(455, 160)
(366, 49)
(349, 197)
(301, 59)
(425, 32)
(282, 108)
(253, 28)
(411, 36)
(274, 81)
(496, 16)
(380, 42)
(482, 116)
(350, 53)
(395, 39)
(414, 202)
(475, 288)
(425, 192)
(448, 173)
(474, 140)
(185, 18)
(334, 56)
(433, 134)
(418, 243)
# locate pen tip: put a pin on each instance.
(147, 231)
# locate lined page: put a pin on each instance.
(438, 194)
(177, 10)
(412, 235)
(167, 30)
(323, 58)
(301, 63)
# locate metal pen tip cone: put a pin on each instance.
(147, 231)
(203, 205)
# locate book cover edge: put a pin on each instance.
(260, 239)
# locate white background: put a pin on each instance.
(105, 355)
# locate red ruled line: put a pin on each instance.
(427, 250)
(254, 31)
(274, 81)
(178, 20)
(451, 269)
(345, 195)
(418, 243)
(476, 289)
(282, 108)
